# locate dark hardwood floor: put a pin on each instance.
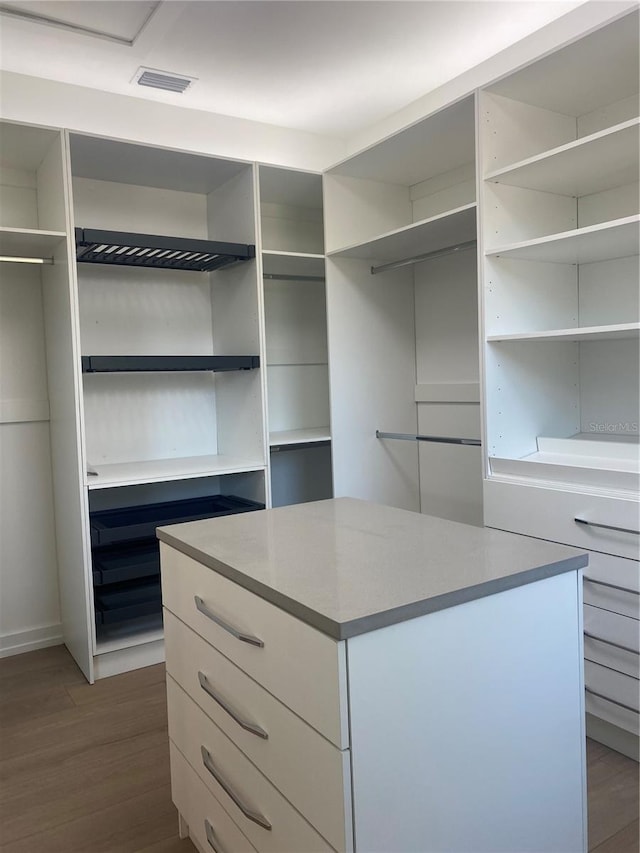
(85, 768)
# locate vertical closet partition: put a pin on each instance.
(403, 318)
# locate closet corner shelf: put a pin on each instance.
(600, 161)
(436, 232)
(141, 472)
(292, 264)
(294, 437)
(29, 243)
(95, 246)
(164, 363)
(618, 238)
(599, 461)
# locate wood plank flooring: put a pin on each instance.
(85, 768)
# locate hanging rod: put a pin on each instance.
(14, 259)
(437, 439)
(418, 259)
(282, 277)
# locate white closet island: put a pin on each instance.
(344, 676)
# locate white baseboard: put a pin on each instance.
(29, 641)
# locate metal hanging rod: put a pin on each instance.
(417, 259)
(282, 277)
(437, 439)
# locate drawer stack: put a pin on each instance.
(257, 719)
(125, 554)
(607, 527)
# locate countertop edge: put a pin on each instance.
(382, 619)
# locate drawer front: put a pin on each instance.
(277, 741)
(613, 583)
(612, 696)
(209, 824)
(611, 640)
(267, 819)
(302, 667)
(551, 513)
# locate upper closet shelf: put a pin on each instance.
(95, 246)
(584, 333)
(276, 264)
(147, 363)
(292, 437)
(589, 165)
(606, 241)
(29, 244)
(429, 235)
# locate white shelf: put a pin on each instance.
(29, 243)
(437, 232)
(299, 436)
(587, 333)
(163, 470)
(292, 263)
(124, 635)
(589, 165)
(609, 240)
(585, 459)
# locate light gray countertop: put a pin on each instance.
(347, 566)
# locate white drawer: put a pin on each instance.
(612, 696)
(551, 513)
(302, 667)
(611, 640)
(291, 747)
(613, 583)
(267, 819)
(209, 824)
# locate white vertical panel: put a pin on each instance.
(239, 414)
(18, 199)
(608, 116)
(357, 210)
(610, 387)
(446, 298)
(513, 130)
(301, 475)
(292, 229)
(372, 380)
(609, 292)
(467, 727)
(298, 396)
(52, 213)
(513, 214)
(610, 204)
(296, 322)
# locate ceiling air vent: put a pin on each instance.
(164, 80)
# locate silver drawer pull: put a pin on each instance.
(606, 526)
(246, 810)
(214, 844)
(611, 643)
(250, 726)
(613, 586)
(239, 635)
(613, 701)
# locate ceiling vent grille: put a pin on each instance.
(164, 80)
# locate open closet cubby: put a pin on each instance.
(562, 235)
(291, 217)
(403, 318)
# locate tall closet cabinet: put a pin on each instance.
(403, 319)
(559, 144)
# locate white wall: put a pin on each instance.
(38, 101)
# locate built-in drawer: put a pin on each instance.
(299, 665)
(611, 640)
(613, 583)
(267, 819)
(612, 696)
(275, 739)
(209, 824)
(551, 514)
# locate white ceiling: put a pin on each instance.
(325, 66)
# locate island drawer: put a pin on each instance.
(613, 583)
(209, 824)
(299, 665)
(275, 739)
(267, 819)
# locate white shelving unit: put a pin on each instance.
(403, 334)
(296, 335)
(34, 235)
(561, 238)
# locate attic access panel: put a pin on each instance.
(95, 246)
